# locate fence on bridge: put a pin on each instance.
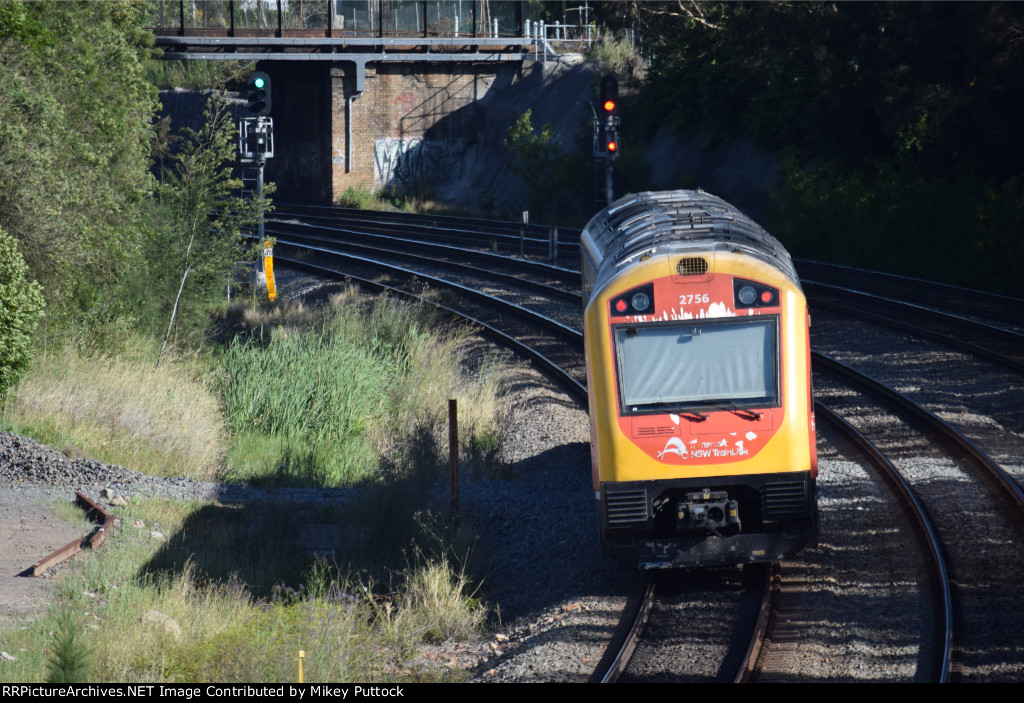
(361, 18)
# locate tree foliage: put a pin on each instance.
(197, 246)
(886, 115)
(21, 306)
(551, 175)
(854, 81)
(75, 118)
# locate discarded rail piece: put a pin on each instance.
(95, 513)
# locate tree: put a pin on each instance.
(75, 126)
(21, 306)
(200, 245)
(539, 160)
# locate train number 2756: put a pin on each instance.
(694, 298)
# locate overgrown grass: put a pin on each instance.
(354, 391)
(366, 199)
(336, 398)
(123, 408)
(422, 200)
(144, 612)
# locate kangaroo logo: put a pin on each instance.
(674, 446)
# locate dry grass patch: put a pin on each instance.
(124, 409)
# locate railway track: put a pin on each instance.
(571, 339)
(552, 287)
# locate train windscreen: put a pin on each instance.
(698, 363)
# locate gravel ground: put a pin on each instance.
(981, 538)
(853, 608)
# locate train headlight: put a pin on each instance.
(751, 294)
(638, 301)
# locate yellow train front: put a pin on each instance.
(698, 366)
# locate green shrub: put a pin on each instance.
(617, 55)
(21, 306)
(70, 658)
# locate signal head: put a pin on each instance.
(609, 93)
(258, 94)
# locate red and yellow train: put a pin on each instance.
(698, 365)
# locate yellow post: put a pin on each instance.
(268, 268)
(302, 653)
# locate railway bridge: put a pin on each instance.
(369, 92)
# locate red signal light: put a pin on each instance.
(609, 105)
(612, 146)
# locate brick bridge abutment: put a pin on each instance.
(407, 128)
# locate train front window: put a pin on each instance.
(698, 363)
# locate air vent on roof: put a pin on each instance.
(692, 266)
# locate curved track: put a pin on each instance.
(379, 251)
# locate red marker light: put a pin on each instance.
(766, 296)
(621, 306)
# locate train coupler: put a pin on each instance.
(710, 510)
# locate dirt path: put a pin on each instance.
(29, 531)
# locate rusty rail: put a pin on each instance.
(95, 513)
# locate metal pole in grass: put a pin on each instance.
(302, 654)
(453, 457)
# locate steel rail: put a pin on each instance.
(908, 309)
(438, 249)
(554, 326)
(922, 311)
(432, 233)
(471, 225)
(430, 238)
(577, 389)
(993, 470)
(765, 612)
(636, 629)
(94, 540)
(942, 295)
(925, 531)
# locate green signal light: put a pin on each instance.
(258, 82)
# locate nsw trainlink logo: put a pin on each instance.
(698, 448)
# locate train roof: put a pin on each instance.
(676, 221)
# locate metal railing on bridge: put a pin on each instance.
(455, 19)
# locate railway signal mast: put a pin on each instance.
(606, 130)
(256, 139)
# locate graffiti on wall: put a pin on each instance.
(406, 162)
